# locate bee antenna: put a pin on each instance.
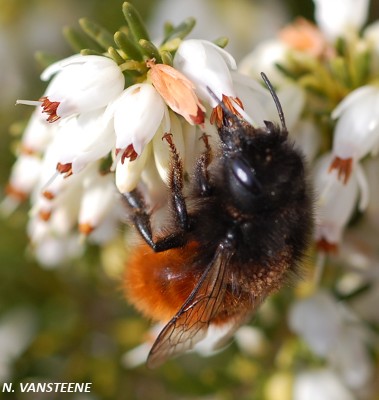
(276, 100)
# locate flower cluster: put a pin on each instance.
(97, 132)
(99, 127)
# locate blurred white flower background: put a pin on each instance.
(62, 312)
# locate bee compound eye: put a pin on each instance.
(245, 175)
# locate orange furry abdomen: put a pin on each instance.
(158, 284)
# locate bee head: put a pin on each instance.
(263, 170)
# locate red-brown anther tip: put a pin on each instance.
(326, 247)
(344, 166)
(129, 152)
(86, 228)
(217, 114)
(15, 193)
(48, 195)
(65, 169)
(50, 108)
(44, 215)
(168, 138)
(199, 118)
(27, 151)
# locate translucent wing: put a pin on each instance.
(191, 323)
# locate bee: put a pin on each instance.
(238, 234)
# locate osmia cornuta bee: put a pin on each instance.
(235, 238)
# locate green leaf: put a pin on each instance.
(221, 41)
(115, 55)
(77, 40)
(44, 59)
(96, 32)
(127, 45)
(182, 30)
(134, 22)
(150, 50)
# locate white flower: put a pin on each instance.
(318, 321)
(161, 149)
(337, 17)
(307, 137)
(128, 173)
(24, 176)
(98, 200)
(206, 65)
(54, 250)
(357, 130)
(138, 112)
(84, 139)
(81, 84)
(38, 133)
(263, 59)
(333, 332)
(322, 384)
(17, 330)
(336, 202)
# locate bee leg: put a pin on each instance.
(201, 169)
(141, 220)
(175, 183)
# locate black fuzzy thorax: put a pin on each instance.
(275, 221)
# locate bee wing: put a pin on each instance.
(191, 322)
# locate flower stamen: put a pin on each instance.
(230, 103)
(324, 246)
(65, 169)
(129, 152)
(15, 193)
(50, 108)
(344, 166)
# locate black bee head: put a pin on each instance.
(262, 169)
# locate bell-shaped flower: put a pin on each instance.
(161, 149)
(305, 37)
(318, 321)
(177, 91)
(98, 199)
(37, 135)
(84, 139)
(335, 18)
(330, 328)
(357, 130)
(207, 66)
(137, 114)
(81, 84)
(336, 202)
(128, 173)
(264, 57)
(24, 176)
(320, 384)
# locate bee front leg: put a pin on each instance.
(201, 169)
(141, 220)
(175, 183)
(141, 217)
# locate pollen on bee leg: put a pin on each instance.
(344, 167)
(324, 246)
